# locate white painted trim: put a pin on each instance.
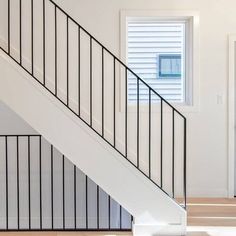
(208, 192)
(231, 114)
(193, 18)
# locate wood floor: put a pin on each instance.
(206, 217)
(212, 212)
(211, 217)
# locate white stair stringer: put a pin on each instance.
(154, 212)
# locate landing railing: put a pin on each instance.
(149, 133)
(42, 190)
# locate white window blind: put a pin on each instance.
(156, 53)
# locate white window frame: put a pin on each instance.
(191, 92)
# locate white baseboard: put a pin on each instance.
(208, 192)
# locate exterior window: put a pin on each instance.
(169, 66)
(156, 52)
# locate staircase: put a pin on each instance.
(73, 91)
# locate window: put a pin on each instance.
(169, 66)
(156, 51)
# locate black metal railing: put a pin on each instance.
(155, 173)
(59, 195)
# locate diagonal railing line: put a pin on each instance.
(117, 59)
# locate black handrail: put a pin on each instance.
(116, 58)
(151, 94)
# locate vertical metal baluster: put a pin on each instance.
(44, 47)
(29, 182)
(52, 211)
(6, 143)
(185, 164)
(20, 38)
(109, 212)
(102, 92)
(67, 61)
(32, 37)
(150, 132)
(75, 204)
(126, 113)
(114, 101)
(18, 182)
(161, 148)
(9, 27)
(137, 123)
(63, 190)
(91, 82)
(86, 200)
(40, 181)
(120, 217)
(55, 15)
(79, 69)
(173, 153)
(97, 207)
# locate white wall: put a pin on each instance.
(207, 127)
(11, 123)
